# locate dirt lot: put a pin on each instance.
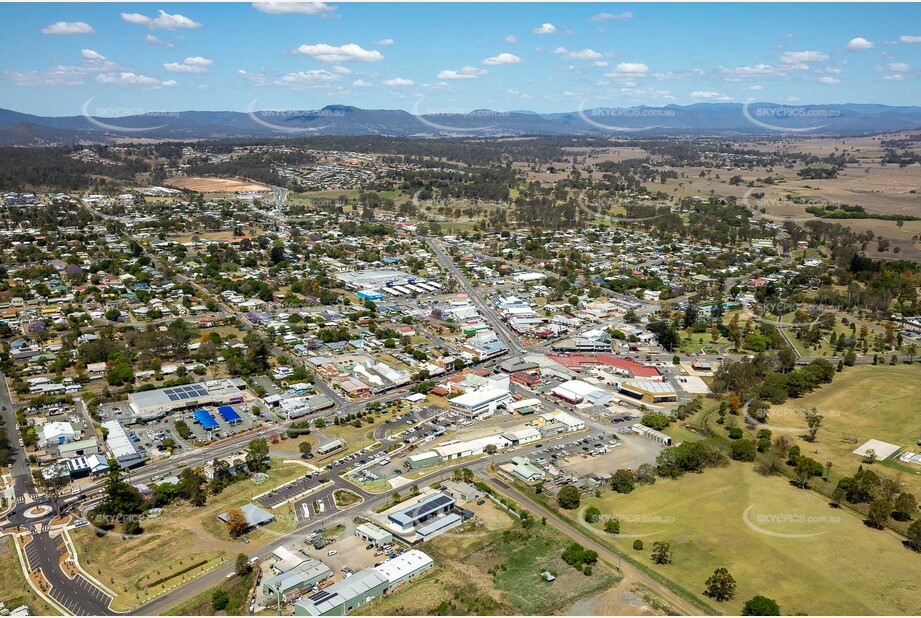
(215, 185)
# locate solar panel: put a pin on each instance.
(173, 397)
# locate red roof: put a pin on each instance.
(637, 370)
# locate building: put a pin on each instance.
(373, 533)
(577, 391)
(291, 585)
(56, 432)
(345, 595)
(479, 402)
(423, 460)
(151, 405)
(648, 391)
(255, 516)
(462, 492)
(120, 446)
(329, 447)
(405, 567)
(522, 435)
(525, 406)
(565, 421)
(652, 434)
(426, 509)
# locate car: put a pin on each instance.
(245, 540)
(332, 552)
(480, 502)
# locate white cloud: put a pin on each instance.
(341, 70)
(545, 29)
(57, 76)
(612, 16)
(90, 54)
(829, 80)
(384, 42)
(155, 41)
(744, 72)
(629, 69)
(134, 79)
(894, 78)
(859, 43)
(895, 67)
(908, 38)
(756, 88)
(399, 81)
(503, 58)
(707, 95)
(162, 20)
(581, 54)
(194, 64)
(360, 83)
(257, 79)
(517, 93)
(600, 63)
(464, 73)
(801, 57)
(68, 27)
(302, 79)
(349, 52)
(511, 38)
(285, 8)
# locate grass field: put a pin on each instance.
(139, 568)
(493, 569)
(14, 590)
(863, 402)
(845, 568)
(200, 605)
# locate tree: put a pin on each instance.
(905, 507)
(638, 545)
(256, 455)
(760, 606)
(646, 474)
(569, 497)
(813, 422)
(306, 449)
(242, 566)
(612, 526)
(593, 514)
(878, 513)
(742, 450)
(236, 522)
(219, 599)
(661, 552)
(623, 481)
(491, 449)
(721, 586)
(914, 536)
(805, 469)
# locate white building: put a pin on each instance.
(120, 445)
(480, 402)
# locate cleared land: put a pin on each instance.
(494, 569)
(14, 590)
(215, 185)
(863, 402)
(844, 568)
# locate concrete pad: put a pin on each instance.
(882, 450)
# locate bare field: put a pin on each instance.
(215, 185)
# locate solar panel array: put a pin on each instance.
(189, 391)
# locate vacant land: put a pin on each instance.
(237, 590)
(491, 569)
(14, 590)
(864, 402)
(732, 517)
(178, 546)
(215, 185)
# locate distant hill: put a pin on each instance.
(727, 119)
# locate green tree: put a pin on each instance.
(257, 454)
(878, 513)
(219, 600)
(593, 514)
(569, 497)
(306, 449)
(760, 606)
(612, 526)
(242, 566)
(721, 586)
(661, 552)
(623, 481)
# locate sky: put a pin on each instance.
(116, 59)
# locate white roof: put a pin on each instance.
(404, 564)
(118, 441)
(577, 387)
(479, 397)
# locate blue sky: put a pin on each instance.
(138, 57)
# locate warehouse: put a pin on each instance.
(292, 584)
(405, 567)
(151, 405)
(423, 460)
(577, 391)
(375, 278)
(649, 391)
(428, 508)
(441, 525)
(370, 295)
(329, 447)
(373, 534)
(120, 445)
(345, 595)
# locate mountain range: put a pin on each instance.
(721, 119)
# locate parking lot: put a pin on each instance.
(290, 490)
(315, 508)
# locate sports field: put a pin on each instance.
(775, 540)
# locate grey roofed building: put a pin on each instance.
(255, 516)
(511, 365)
(426, 508)
(296, 581)
(344, 595)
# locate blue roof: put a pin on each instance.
(205, 420)
(228, 414)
